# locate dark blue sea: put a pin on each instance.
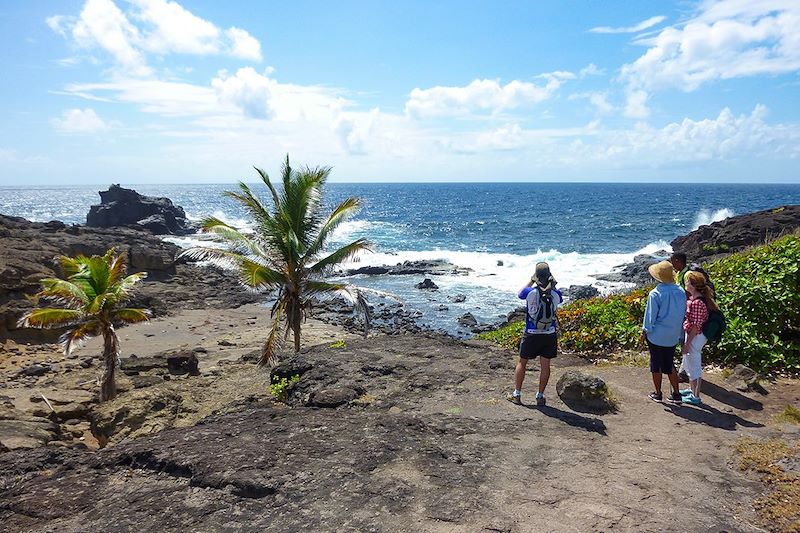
(499, 230)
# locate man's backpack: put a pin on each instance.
(715, 326)
(546, 314)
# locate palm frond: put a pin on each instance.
(341, 255)
(117, 268)
(74, 337)
(64, 292)
(351, 292)
(270, 186)
(131, 316)
(258, 276)
(341, 213)
(50, 317)
(72, 265)
(273, 341)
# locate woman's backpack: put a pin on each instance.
(715, 326)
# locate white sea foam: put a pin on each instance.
(507, 272)
(354, 229)
(705, 217)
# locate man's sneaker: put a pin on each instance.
(655, 396)
(515, 399)
(683, 377)
(686, 392)
(540, 401)
(694, 400)
(676, 398)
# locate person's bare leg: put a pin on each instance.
(544, 374)
(519, 373)
(657, 381)
(695, 385)
(673, 380)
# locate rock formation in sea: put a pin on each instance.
(124, 207)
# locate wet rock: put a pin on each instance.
(458, 298)
(635, 272)
(369, 270)
(467, 320)
(427, 284)
(584, 392)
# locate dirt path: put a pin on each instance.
(426, 443)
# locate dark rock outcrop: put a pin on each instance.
(635, 272)
(580, 292)
(435, 267)
(428, 284)
(123, 207)
(31, 250)
(584, 392)
(734, 234)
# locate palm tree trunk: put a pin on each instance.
(108, 387)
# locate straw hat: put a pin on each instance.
(662, 272)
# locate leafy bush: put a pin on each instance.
(759, 292)
(507, 336)
(280, 387)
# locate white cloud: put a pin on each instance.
(598, 99)
(590, 70)
(643, 25)
(725, 39)
(356, 130)
(80, 121)
(636, 104)
(243, 45)
(249, 91)
(158, 27)
(482, 95)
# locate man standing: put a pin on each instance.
(678, 260)
(539, 338)
(662, 328)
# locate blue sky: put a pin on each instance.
(154, 91)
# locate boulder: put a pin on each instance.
(123, 207)
(183, 363)
(295, 366)
(635, 272)
(580, 292)
(133, 365)
(140, 382)
(35, 370)
(427, 284)
(745, 379)
(334, 397)
(458, 298)
(369, 270)
(468, 320)
(585, 393)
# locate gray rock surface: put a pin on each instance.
(584, 393)
(123, 207)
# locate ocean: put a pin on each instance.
(499, 230)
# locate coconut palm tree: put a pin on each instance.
(287, 249)
(92, 296)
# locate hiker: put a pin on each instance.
(539, 338)
(681, 266)
(662, 328)
(698, 308)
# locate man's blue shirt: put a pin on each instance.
(663, 318)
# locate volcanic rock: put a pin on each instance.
(580, 292)
(734, 234)
(427, 284)
(584, 392)
(122, 207)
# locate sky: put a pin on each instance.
(161, 91)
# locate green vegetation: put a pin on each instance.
(716, 248)
(287, 251)
(790, 415)
(758, 290)
(92, 295)
(280, 387)
(338, 344)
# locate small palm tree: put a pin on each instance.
(92, 294)
(287, 250)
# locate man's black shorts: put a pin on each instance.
(538, 344)
(662, 358)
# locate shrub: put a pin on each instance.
(759, 292)
(280, 387)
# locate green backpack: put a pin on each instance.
(714, 327)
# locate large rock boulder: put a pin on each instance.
(123, 207)
(635, 272)
(737, 233)
(585, 393)
(580, 292)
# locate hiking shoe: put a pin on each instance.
(686, 392)
(540, 401)
(676, 398)
(694, 400)
(683, 377)
(516, 400)
(655, 396)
